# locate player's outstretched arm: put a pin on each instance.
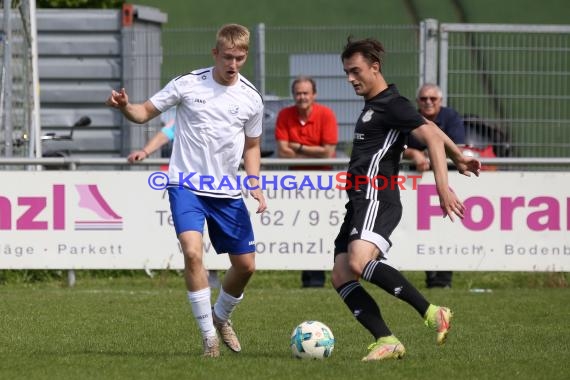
(464, 164)
(252, 163)
(155, 143)
(451, 204)
(448, 200)
(467, 165)
(137, 113)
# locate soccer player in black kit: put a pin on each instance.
(380, 135)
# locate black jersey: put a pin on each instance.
(380, 136)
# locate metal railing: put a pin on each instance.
(74, 163)
(515, 78)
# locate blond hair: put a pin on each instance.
(233, 36)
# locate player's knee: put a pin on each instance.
(192, 257)
(355, 267)
(246, 268)
(341, 274)
(336, 279)
(250, 269)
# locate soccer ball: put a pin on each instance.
(312, 340)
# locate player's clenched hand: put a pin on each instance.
(451, 205)
(257, 194)
(137, 155)
(118, 99)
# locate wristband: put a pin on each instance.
(299, 149)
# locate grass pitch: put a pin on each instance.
(141, 328)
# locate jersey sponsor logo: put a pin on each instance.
(367, 116)
(354, 232)
(252, 242)
(234, 109)
(359, 136)
(201, 101)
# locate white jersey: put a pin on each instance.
(212, 121)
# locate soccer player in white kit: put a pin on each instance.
(219, 119)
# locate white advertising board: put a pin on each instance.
(114, 220)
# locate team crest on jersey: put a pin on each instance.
(234, 109)
(367, 116)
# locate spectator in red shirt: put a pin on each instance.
(306, 130)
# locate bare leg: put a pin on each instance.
(194, 271)
(239, 274)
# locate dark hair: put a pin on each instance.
(372, 50)
(303, 78)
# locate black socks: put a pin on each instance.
(393, 282)
(364, 308)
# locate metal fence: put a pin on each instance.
(512, 82)
(278, 54)
(515, 78)
(16, 76)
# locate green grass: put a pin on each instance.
(136, 327)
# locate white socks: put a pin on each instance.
(225, 304)
(202, 310)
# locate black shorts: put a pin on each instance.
(369, 220)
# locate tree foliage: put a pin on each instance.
(95, 4)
